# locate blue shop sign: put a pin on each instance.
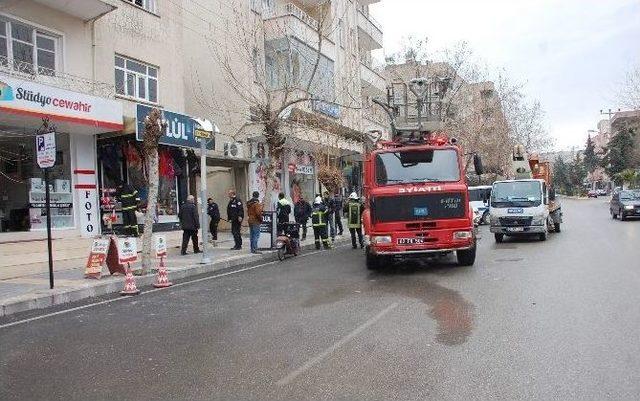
(326, 108)
(179, 132)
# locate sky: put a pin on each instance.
(570, 54)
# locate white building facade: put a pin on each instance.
(93, 67)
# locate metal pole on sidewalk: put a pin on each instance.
(203, 200)
(47, 200)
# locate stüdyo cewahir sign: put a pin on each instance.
(25, 103)
(180, 129)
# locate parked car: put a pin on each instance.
(625, 203)
(602, 192)
(592, 193)
(479, 201)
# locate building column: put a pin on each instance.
(84, 179)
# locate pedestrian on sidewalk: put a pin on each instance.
(319, 218)
(283, 210)
(328, 202)
(190, 224)
(354, 209)
(129, 200)
(302, 212)
(214, 213)
(235, 215)
(337, 205)
(254, 218)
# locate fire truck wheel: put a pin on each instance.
(466, 257)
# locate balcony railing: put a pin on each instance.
(46, 76)
(365, 11)
(293, 10)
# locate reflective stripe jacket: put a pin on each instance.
(354, 210)
(319, 215)
(129, 198)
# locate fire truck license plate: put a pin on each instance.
(410, 241)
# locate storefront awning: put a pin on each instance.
(24, 103)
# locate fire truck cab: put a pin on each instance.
(417, 202)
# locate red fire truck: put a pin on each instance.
(416, 194)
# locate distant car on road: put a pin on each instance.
(601, 192)
(592, 194)
(625, 203)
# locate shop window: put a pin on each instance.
(27, 48)
(136, 79)
(122, 160)
(22, 188)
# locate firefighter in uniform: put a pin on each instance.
(354, 209)
(129, 199)
(319, 222)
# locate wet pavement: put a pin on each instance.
(558, 319)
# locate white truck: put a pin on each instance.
(527, 205)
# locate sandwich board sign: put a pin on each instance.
(161, 246)
(127, 250)
(97, 257)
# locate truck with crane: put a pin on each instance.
(526, 205)
(415, 187)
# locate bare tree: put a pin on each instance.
(486, 112)
(274, 79)
(153, 131)
(629, 92)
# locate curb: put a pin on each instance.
(574, 197)
(112, 284)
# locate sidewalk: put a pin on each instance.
(31, 291)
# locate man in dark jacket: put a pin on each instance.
(214, 213)
(302, 212)
(337, 206)
(235, 215)
(328, 201)
(190, 224)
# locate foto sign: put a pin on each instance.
(180, 131)
(46, 150)
(127, 250)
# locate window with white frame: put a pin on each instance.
(149, 5)
(27, 48)
(136, 79)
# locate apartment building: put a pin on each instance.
(94, 68)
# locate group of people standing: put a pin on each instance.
(325, 214)
(190, 221)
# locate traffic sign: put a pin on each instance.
(46, 149)
(202, 134)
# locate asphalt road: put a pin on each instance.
(531, 320)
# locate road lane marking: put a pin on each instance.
(108, 301)
(327, 352)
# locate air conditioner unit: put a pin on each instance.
(234, 150)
